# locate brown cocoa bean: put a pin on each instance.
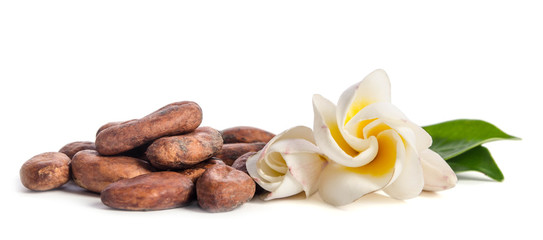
(137, 152)
(246, 134)
(178, 152)
(240, 163)
(45, 171)
(94, 172)
(172, 119)
(197, 170)
(151, 191)
(111, 124)
(71, 149)
(232, 151)
(222, 188)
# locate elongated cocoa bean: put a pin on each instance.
(152, 191)
(111, 124)
(173, 119)
(94, 172)
(72, 148)
(246, 134)
(232, 151)
(178, 152)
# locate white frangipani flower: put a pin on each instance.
(289, 164)
(373, 146)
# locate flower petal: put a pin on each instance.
(342, 185)
(361, 124)
(306, 169)
(286, 146)
(438, 175)
(298, 132)
(372, 89)
(253, 163)
(275, 162)
(330, 140)
(375, 87)
(409, 182)
(302, 159)
(421, 139)
(270, 169)
(267, 173)
(288, 187)
(254, 172)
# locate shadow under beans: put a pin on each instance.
(192, 207)
(99, 205)
(72, 187)
(69, 187)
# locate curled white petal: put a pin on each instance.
(256, 173)
(422, 138)
(375, 87)
(268, 173)
(306, 169)
(409, 182)
(395, 119)
(287, 146)
(288, 164)
(298, 132)
(341, 185)
(288, 186)
(438, 175)
(330, 140)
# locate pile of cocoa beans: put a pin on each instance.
(161, 161)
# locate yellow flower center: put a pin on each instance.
(336, 134)
(384, 161)
(355, 107)
(361, 126)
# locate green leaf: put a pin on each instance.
(455, 137)
(477, 159)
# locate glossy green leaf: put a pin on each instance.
(455, 137)
(476, 159)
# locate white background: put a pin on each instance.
(67, 67)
